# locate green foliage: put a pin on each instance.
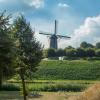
(60, 52)
(50, 86)
(7, 50)
(85, 50)
(71, 52)
(61, 87)
(58, 87)
(72, 70)
(50, 53)
(90, 52)
(10, 87)
(98, 45)
(80, 52)
(29, 50)
(86, 45)
(97, 53)
(69, 47)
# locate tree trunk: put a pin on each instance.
(0, 78)
(0, 81)
(23, 85)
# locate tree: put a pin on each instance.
(98, 45)
(86, 45)
(6, 48)
(90, 45)
(97, 53)
(69, 47)
(90, 52)
(80, 52)
(51, 52)
(60, 52)
(70, 52)
(29, 51)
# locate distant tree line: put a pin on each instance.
(85, 50)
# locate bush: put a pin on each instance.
(10, 87)
(90, 52)
(97, 52)
(59, 87)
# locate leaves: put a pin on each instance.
(29, 51)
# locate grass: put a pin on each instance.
(57, 87)
(11, 95)
(51, 85)
(70, 70)
(92, 93)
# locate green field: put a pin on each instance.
(69, 70)
(52, 76)
(55, 80)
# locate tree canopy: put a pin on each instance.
(29, 50)
(6, 48)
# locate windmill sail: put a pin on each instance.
(44, 33)
(54, 37)
(55, 32)
(62, 36)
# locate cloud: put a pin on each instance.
(36, 3)
(63, 5)
(44, 40)
(21, 5)
(46, 27)
(89, 32)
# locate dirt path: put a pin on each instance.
(42, 96)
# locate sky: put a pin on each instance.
(79, 19)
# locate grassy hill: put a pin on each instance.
(70, 70)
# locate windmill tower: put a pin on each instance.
(54, 37)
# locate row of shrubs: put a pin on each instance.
(74, 58)
(60, 87)
(10, 87)
(46, 87)
(79, 52)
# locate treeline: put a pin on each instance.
(85, 50)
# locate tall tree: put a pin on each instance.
(69, 47)
(86, 45)
(6, 48)
(29, 50)
(98, 45)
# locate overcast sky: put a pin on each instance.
(79, 19)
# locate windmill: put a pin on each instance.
(54, 37)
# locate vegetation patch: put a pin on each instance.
(52, 85)
(70, 70)
(10, 87)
